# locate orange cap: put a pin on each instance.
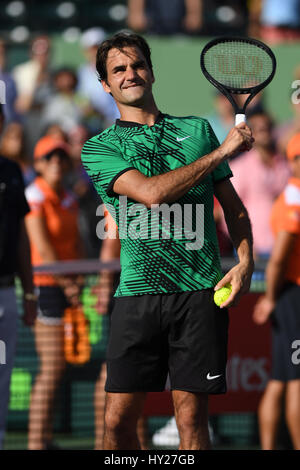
(48, 144)
(293, 147)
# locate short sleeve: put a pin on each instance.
(286, 211)
(223, 170)
(104, 164)
(288, 219)
(291, 220)
(35, 199)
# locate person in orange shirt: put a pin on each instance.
(53, 233)
(281, 302)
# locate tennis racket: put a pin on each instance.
(238, 66)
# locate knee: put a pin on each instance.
(118, 424)
(52, 373)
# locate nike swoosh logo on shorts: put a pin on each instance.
(179, 139)
(212, 377)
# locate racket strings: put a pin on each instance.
(238, 64)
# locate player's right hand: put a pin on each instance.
(239, 139)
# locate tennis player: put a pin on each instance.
(164, 318)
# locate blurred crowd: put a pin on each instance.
(265, 19)
(67, 104)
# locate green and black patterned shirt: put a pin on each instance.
(161, 252)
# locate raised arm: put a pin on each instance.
(170, 186)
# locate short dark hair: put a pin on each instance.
(259, 111)
(119, 41)
(67, 70)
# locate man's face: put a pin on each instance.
(129, 78)
(262, 130)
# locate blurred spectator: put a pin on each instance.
(33, 87)
(286, 130)
(14, 258)
(52, 226)
(273, 21)
(32, 77)
(10, 113)
(281, 304)
(89, 85)
(256, 105)
(258, 177)
(165, 17)
(88, 200)
(12, 145)
(66, 107)
(55, 131)
(222, 119)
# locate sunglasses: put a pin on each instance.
(60, 153)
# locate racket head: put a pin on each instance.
(236, 65)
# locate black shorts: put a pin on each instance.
(52, 303)
(183, 334)
(285, 330)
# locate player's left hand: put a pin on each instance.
(240, 279)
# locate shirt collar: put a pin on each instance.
(48, 191)
(121, 123)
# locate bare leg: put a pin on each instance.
(99, 405)
(99, 401)
(142, 433)
(191, 413)
(49, 345)
(292, 407)
(269, 414)
(122, 411)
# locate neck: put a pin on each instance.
(146, 114)
(266, 154)
(56, 186)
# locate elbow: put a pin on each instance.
(153, 197)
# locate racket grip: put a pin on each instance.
(239, 118)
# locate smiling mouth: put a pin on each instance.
(132, 86)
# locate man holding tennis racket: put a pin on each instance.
(164, 319)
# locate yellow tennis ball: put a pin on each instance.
(222, 294)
